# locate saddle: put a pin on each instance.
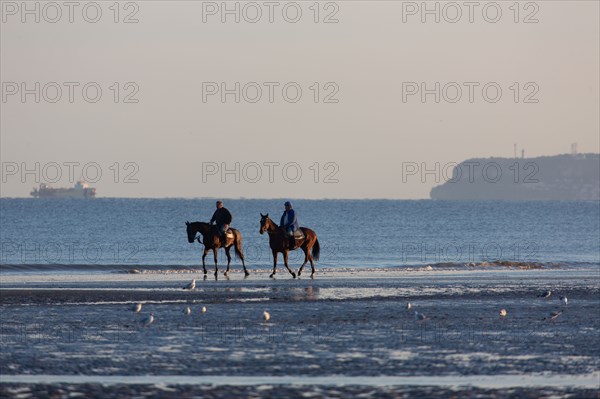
(228, 233)
(296, 239)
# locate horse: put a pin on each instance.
(279, 242)
(212, 241)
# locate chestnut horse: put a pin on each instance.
(279, 242)
(212, 241)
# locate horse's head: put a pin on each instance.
(191, 232)
(264, 223)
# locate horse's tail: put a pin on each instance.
(316, 250)
(238, 245)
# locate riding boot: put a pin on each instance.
(292, 242)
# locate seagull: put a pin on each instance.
(266, 315)
(420, 316)
(187, 311)
(191, 286)
(203, 309)
(564, 300)
(137, 308)
(503, 312)
(148, 320)
(555, 314)
(408, 306)
(545, 294)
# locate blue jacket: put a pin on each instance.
(292, 220)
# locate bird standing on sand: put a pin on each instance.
(503, 312)
(137, 308)
(187, 311)
(266, 315)
(420, 316)
(148, 320)
(564, 300)
(545, 294)
(191, 286)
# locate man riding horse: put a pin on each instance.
(219, 236)
(288, 236)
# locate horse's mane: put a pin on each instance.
(198, 225)
(277, 227)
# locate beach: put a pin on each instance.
(345, 332)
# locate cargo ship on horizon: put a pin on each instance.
(80, 190)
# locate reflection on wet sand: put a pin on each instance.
(309, 293)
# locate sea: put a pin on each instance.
(117, 234)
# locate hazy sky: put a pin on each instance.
(371, 61)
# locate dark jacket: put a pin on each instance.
(222, 216)
(292, 220)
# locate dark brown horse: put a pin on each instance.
(212, 241)
(280, 243)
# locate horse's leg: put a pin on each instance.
(305, 261)
(285, 261)
(228, 259)
(216, 267)
(246, 272)
(203, 259)
(274, 263)
(312, 264)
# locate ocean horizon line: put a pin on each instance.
(316, 199)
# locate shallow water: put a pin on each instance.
(495, 381)
(66, 291)
(345, 334)
(345, 325)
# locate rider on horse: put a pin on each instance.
(222, 217)
(289, 222)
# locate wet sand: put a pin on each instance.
(340, 334)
